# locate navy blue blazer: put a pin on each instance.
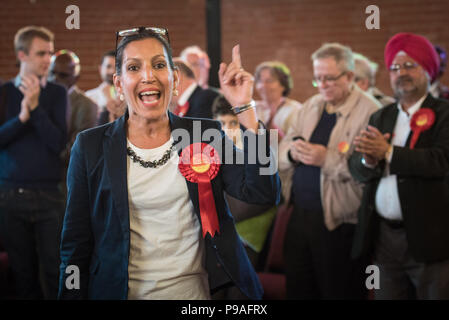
(201, 102)
(96, 231)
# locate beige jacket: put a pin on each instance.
(340, 193)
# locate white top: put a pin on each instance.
(98, 96)
(167, 255)
(387, 196)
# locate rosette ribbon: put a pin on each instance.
(199, 163)
(422, 120)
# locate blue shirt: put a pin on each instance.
(306, 179)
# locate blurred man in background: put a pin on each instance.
(109, 105)
(65, 70)
(32, 137)
(365, 77)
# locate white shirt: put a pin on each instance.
(387, 197)
(98, 96)
(186, 94)
(167, 255)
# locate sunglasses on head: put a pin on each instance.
(137, 30)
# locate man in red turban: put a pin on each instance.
(417, 47)
(403, 157)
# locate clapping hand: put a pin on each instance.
(30, 87)
(372, 144)
(308, 153)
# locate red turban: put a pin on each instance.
(417, 47)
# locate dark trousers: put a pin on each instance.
(318, 261)
(401, 276)
(30, 228)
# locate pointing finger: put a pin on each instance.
(236, 56)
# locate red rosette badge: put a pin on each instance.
(343, 147)
(199, 163)
(422, 120)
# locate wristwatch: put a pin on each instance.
(245, 107)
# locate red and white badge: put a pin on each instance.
(199, 163)
(422, 120)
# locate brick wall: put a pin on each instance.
(286, 30)
(99, 20)
(291, 30)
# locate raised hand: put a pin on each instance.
(236, 84)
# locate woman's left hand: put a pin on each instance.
(236, 84)
(237, 87)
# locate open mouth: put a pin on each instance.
(150, 97)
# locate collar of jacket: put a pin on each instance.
(345, 109)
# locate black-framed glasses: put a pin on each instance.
(406, 66)
(129, 32)
(328, 79)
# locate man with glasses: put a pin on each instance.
(65, 70)
(313, 156)
(32, 138)
(403, 157)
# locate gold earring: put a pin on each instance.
(175, 92)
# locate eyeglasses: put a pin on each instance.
(407, 66)
(327, 79)
(152, 30)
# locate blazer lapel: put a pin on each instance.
(391, 116)
(182, 139)
(114, 147)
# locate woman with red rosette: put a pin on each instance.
(146, 216)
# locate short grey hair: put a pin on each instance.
(342, 55)
(365, 68)
(189, 50)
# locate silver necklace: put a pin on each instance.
(151, 164)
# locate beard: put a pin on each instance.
(409, 88)
(109, 79)
(400, 91)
